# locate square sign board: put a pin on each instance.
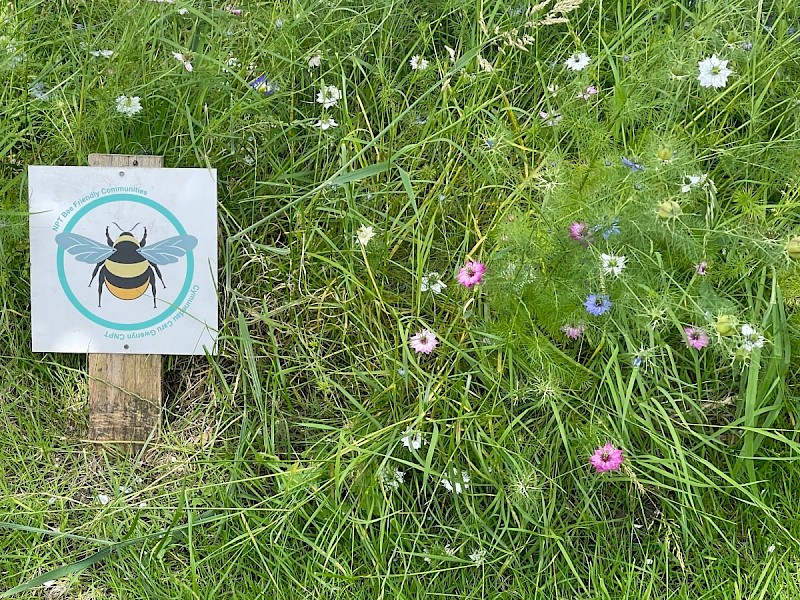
(123, 261)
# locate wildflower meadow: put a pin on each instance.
(509, 301)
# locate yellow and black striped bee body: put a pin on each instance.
(126, 273)
(126, 266)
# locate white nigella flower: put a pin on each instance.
(391, 478)
(456, 482)
(329, 96)
(550, 119)
(186, 64)
(692, 181)
(315, 60)
(578, 62)
(103, 499)
(128, 105)
(326, 123)
(365, 234)
(413, 440)
(432, 282)
(449, 550)
(478, 556)
(752, 339)
(612, 265)
(418, 63)
(714, 72)
(103, 53)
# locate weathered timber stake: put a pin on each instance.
(125, 393)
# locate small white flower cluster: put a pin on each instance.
(751, 339)
(432, 282)
(696, 181)
(418, 63)
(364, 234)
(328, 96)
(478, 556)
(391, 478)
(413, 440)
(456, 482)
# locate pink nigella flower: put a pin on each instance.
(606, 458)
(580, 232)
(424, 341)
(696, 338)
(588, 93)
(471, 273)
(573, 332)
(701, 268)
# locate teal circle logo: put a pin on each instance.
(62, 277)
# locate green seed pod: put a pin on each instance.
(669, 209)
(793, 248)
(725, 325)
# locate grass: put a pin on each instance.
(274, 476)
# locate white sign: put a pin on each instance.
(123, 260)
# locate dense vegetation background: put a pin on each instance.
(319, 455)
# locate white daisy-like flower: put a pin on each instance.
(432, 282)
(103, 53)
(329, 96)
(478, 556)
(186, 64)
(128, 105)
(612, 265)
(714, 72)
(315, 60)
(418, 63)
(413, 440)
(326, 123)
(578, 62)
(752, 338)
(456, 482)
(365, 234)
(692, 181)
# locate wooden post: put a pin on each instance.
(124, 390)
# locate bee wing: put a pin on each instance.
(168, 251)
(84, 249)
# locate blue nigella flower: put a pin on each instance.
(264, 86)
(597, 304)
(633, 166)
(608, 231)
(490, 143)
(637, 361)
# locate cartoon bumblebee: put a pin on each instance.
(125, 265)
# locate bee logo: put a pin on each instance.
(125, 265)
